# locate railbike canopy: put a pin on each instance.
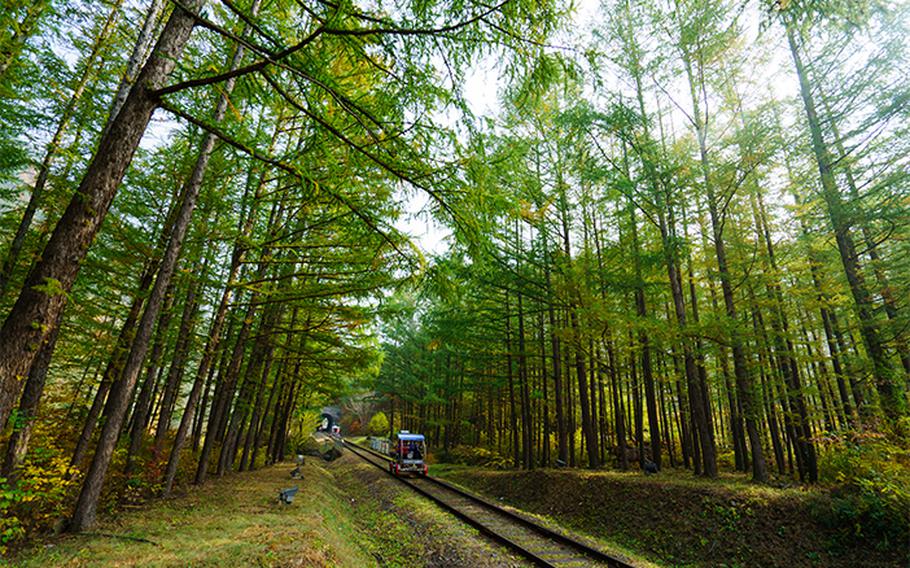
(408, 437)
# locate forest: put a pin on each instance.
(670, 235)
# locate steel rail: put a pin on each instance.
(546, 531)
(579, 547)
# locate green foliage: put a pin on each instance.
(51, 287)
(542, 203)
(379, 425)
(871, 497)
(842, 12)
(475, 456)
(11, 528)
(301, 439)
(13, 158)
(39, 497)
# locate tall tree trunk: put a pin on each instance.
(178, 363)
(114, 368)
(876, 262)
(545, 402)
(562, 445)
(892, 398)
(836, 348)
(21, 432)
(527, 424)
(88, 67)
(44, 294)
(616, 385)
(699, 412)
(276, 389)
(137, 58)
(638, 419)
(223, 397)
(144, 400)
(587, 428)
(256, 410)
(84, 514)
(769, 397)
(744, 385)
(644, 345)
(513, 412)
(203, 374)
(251, 379)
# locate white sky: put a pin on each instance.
(482, 89)
(483, 86)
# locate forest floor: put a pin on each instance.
(675, 519)
(350, 514)
(347, 514)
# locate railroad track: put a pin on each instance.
(537, 543)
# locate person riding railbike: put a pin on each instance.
(408, 454)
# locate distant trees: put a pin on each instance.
(264, 216)
(691, 306)
(379, 425)
(198, 206)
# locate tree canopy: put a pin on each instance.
(677, 234)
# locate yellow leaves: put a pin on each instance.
(524, 210)
(231, 106)
(38, 498)
(530, 215)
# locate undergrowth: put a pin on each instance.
(870, 498)
(474, 456)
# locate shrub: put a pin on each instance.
(11, 529)
(475, 456)
(308, 446)
(871, 496)
(379, 425)
(37, 500)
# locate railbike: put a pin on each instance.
(408, 452)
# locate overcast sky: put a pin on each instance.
(483, 86)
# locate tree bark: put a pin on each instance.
(21, 432)
(12, 256)
(562, 450)
(143, 404)
(891, 397)
(744, 384)
(114, 368)
(44, 294)
(645, 346)
(178, 364)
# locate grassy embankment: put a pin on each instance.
(676, 520)
(347, 514)
(234, 521)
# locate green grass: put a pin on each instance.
(734, 482)
(409, 530)
(609, 546)
(230, 522)
(347, 514)
(676, 519)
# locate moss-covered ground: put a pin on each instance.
(674, 519)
